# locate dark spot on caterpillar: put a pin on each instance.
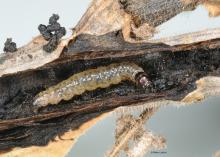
(10, 46)
(52, 33)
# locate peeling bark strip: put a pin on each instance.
(30, 56)
(156, 12)
(172, 70)
(137, 18)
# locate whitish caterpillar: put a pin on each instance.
(101, 77)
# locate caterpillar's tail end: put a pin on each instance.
(38, 103)
(142, 80)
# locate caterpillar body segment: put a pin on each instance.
(101, 77)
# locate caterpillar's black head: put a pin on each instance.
(142, 80)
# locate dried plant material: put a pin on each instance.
(102, 16)
(136, 19)
(206, 86)
(189, 38)
(147, 143)
(173, 71)
(140, 107)
(146, 15)
(131, 130)
(143, 32)
(30, 56)
(57, 148)
(155, 12)
(213, 6)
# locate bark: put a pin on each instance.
(182, 73)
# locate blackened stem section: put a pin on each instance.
(172, 71)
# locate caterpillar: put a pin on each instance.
(101, 77)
